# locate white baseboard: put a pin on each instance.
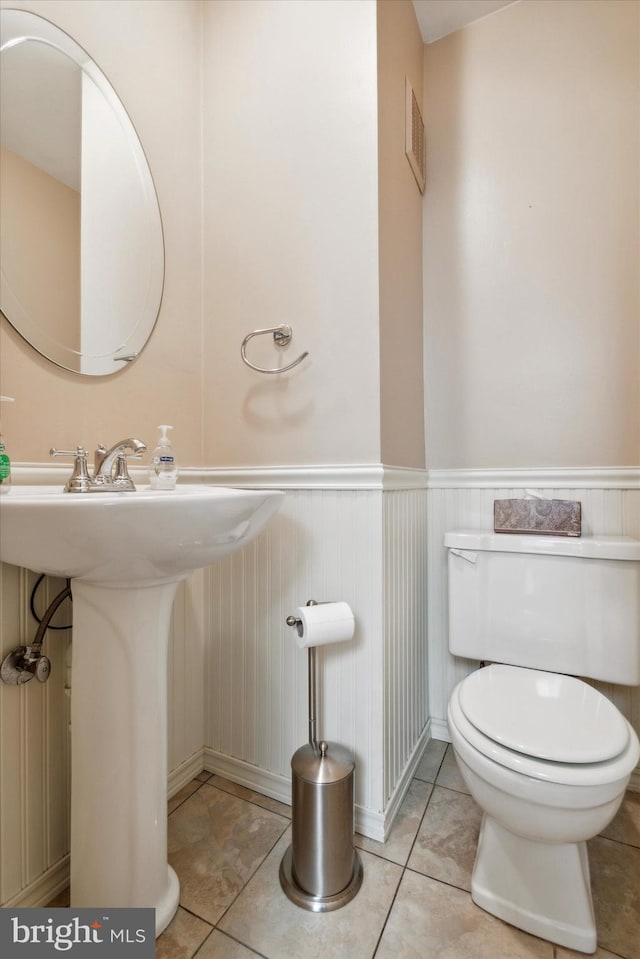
(43, 889)
(185, 772)
(440, 730)
(245, 774)
(402, 786)
(368, 822)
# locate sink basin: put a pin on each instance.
(122, 538)
(125, 554)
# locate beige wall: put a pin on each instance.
(400, 55)
(40, 236)
(150, 52)
(531, 238)
(275, 217)
(291, 230)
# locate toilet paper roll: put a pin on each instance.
(323, 624)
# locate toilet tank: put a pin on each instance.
(547, 602)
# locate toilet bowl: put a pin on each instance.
(547, 758)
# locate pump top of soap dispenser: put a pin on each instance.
(164, 439)
(163, 471)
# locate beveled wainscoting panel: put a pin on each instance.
(324, 545)
(405, 628)
(364, 546)
(34, 740)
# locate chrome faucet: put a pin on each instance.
(110, 474)
(110, 466)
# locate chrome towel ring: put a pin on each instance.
(281, 337)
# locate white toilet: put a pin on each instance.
(546, 756)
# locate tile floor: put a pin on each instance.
(226, 844)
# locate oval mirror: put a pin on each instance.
(81, 243)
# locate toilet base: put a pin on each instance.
(542, 888)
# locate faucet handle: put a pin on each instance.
(121, 478)
(79, 481)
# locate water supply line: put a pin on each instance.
(24, 662)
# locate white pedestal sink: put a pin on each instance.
(125, 554)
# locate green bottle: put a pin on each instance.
(5, 462)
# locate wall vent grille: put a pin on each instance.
(414, 145)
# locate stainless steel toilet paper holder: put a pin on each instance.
(321, 870)
(294, 621)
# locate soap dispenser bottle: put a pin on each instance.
(5, 462)
(163, 471)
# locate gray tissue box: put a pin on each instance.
(553, 517)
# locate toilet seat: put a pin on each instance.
(544, 715)
(563, 773)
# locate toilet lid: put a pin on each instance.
(545, 715)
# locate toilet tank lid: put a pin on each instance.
(591, 547)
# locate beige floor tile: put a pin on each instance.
(204, 776)
(562, 953)
(182, 936)
(615, 883)
(216, 842)
(626, 825)
(62, 900)
(405, 828)
(431, 920)
(265, 920)
(182, 794)
(445, 846)
(243, 793)
(431, 760)
(449, 774)
(221, 946)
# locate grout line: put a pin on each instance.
(405, 867)
(619, 842)
(233, 939)
(259, 866)
(388, 915)
(443, 882)
(183, 801)
(195, 916)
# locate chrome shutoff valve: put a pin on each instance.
(22, 664)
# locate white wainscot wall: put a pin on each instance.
(237, 695)
(368, 548)
(238, 682)
(463, 499)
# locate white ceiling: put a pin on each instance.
(437, 18)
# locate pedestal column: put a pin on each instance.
(119, 748)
